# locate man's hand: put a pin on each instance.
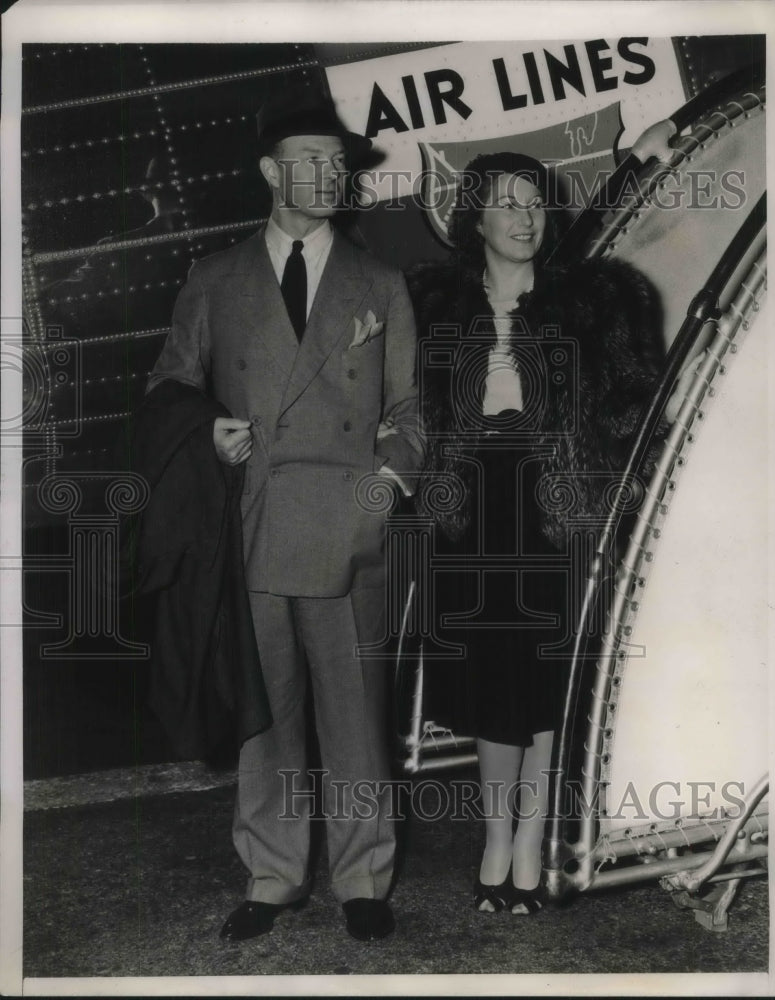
(232, 439)
(385, 429)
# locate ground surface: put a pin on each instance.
(141, 886)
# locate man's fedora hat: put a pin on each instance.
(304, 112)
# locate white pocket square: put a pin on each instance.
(366, 330)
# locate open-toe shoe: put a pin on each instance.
(529, 898)
(500, 897)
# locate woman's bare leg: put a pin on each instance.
(499, 766)
(533, 806)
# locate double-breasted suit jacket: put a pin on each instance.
(315, 407)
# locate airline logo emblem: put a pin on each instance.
(581, 152)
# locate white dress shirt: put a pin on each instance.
(317, 247)
(503, 387)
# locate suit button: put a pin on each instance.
(352, 373)
(347, 476)
(274, 473)
(242, 365)
(347, 425)
(256, 419)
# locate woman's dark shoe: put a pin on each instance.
(529, 898)
(500, 897)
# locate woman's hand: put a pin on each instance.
(678, 396)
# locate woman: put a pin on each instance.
(532, 378)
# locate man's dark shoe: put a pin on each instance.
(368, 919)
(249, 920)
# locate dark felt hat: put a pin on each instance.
(304, 112)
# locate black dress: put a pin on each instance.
(500, 594)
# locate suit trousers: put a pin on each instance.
(317, 638)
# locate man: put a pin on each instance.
(310, 344)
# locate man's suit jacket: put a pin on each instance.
(315, 407)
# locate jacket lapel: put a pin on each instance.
(341, 290)
(262, 301)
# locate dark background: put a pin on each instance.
(136, 160)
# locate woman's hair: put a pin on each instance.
(474, 194)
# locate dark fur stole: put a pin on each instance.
(606, 320)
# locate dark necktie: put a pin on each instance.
(294, 288)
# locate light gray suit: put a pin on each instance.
(313, 554)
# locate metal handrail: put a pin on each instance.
(704, 307)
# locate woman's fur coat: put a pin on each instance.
(612, 315)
